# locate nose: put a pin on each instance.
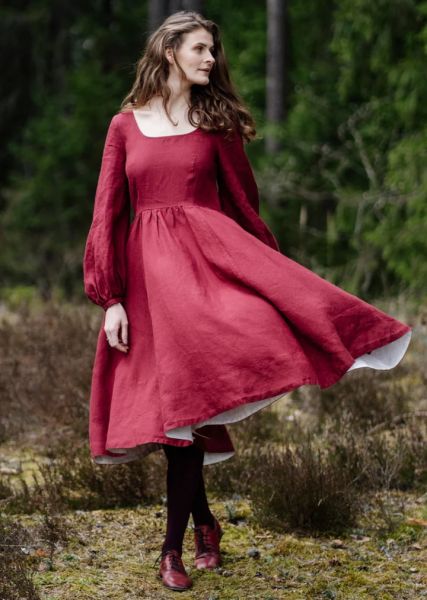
(212, 59)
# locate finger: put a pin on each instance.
(122, 348)
(113, 338)
(125, 333)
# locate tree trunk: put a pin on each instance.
(277, 59)
(196, 5)
(158, 10)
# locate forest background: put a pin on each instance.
(339, 94)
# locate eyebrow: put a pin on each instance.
(202, 44)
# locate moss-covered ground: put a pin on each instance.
(111, 554)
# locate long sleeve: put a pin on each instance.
(237, 188)
(104, 265)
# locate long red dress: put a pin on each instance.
(221, 323)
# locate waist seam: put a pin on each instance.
(187, 204)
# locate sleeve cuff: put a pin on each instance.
(111, 302)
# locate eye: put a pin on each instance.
(212, 50)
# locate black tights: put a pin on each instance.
(185, 493)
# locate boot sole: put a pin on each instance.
(175, 589)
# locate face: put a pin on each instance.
(195, 56)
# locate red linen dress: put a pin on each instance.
(221, 324)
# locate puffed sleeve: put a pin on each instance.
(104, 266)
(237, 188)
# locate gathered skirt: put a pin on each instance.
(220, 326)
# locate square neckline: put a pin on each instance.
(159, 137)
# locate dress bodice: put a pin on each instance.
(170, 169)
(207, 169)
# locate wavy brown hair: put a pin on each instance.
(217, 104)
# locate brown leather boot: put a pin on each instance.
(207, 540)
(173, 573)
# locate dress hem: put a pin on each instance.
(181, 432)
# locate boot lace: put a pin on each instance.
(175, 561)
(205, 541)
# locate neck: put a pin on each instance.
(179, 100)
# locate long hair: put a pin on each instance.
(217, 104)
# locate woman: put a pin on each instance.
(206, 321)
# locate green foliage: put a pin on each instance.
(401, 234)
(353, 158)
(346, 194)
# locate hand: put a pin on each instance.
(116, 322)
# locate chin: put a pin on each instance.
(204, 81)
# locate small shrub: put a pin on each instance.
(321, 481)
(226, 479)
(233, 476)
(371, 397)
(399, 457)
(91, 486)
(70, 479)
(16, 568)
(45, 369)
(302, 488)
(390, 457)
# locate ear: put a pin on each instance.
(169, 55)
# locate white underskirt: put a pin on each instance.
(383, 358)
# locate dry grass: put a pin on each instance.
(45, 369)
(111, 554)
(348, 461)
(16, 572)
(71, 480)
